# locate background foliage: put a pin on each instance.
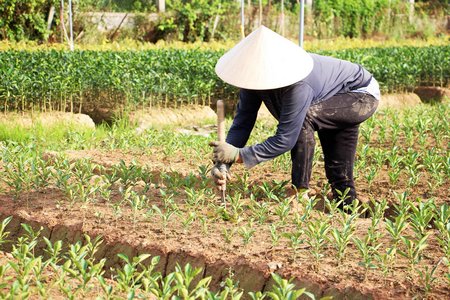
(172, 77)
(24, 19)
(203, 20)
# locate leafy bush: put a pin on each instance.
(24, 19)
(193, 20)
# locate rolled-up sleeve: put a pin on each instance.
(295, 102)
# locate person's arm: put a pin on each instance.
(295, 103)
(244, 121)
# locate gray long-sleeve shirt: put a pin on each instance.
(289, 105)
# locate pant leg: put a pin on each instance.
(337, 121)
(339, 149)
(302, 156)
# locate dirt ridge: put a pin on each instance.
(251, 276)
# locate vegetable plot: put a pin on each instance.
(151, 193)
(170, 77)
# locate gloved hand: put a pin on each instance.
(219, 176)
(224, 152)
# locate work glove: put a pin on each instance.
(217, 173)
(224, 152)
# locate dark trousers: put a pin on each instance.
(336, 121)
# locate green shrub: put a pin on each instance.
(24, 19)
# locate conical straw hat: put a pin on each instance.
(264, 60)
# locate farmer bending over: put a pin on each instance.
(305, 93)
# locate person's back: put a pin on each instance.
(331, 76)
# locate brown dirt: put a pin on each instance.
(251, 264)
(406, 100)
(192, 114)
(432, 94)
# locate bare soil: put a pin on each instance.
(250, 264)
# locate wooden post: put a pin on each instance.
(51, 14)
(260, 12)
(70, 26)
(282, 18)
(411, 11)
(302, 23)
(161, 5)
(242, 20)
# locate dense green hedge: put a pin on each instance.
(175, 77)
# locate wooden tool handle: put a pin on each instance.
(221, 136)
(221, 120)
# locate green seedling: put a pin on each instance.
(137, 203)
(394, 175)
(402, 208)
(230, 290)
(166, 288)
(421, 217)
(187, 221)
(295, 239)
(413, 250)
(316, 232)
(184, 279)
(442, 223)
(284, 289)
(128, 174)
(4, 234)
(260, 210)
(53, 251)
(204, 223)
(236, 207)
(368, 253)
(243, 183)
(274, 235)
(195, 197)
(165, 216)
(108, 289)
(428, 277)
(246, 232)
(370, 176)
(386, 261)
(257, 296)
(343, 237)
(396, 228)
(283, 209)
(228, 234)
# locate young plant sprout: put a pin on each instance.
(428, 278)
(368, 253)
(187, 221)
(413, 250)
(295, 239)
(316, 232)
(442, 223)
(283, 209)
(421, 217)
(228, 234)
(246, 232)
(260, 210)
(343, 237)
(386, 261)
(137, 203)
(274, 235)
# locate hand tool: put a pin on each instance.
(221, 136)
